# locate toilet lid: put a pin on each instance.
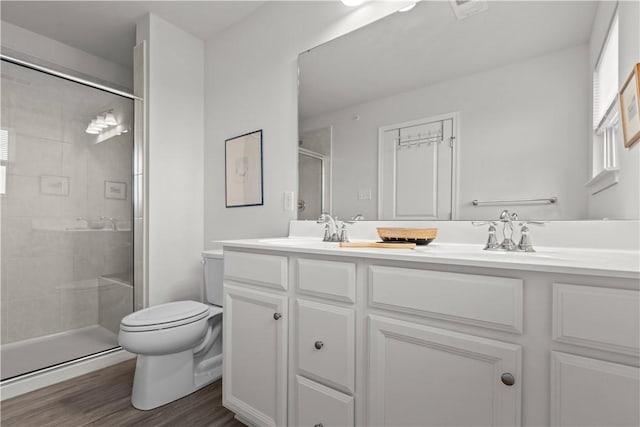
(166, 314)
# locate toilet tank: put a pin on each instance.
(213, 273)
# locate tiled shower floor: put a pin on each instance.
(37, 353)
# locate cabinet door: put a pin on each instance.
(255, 362)
(426, 376)
(591, 392)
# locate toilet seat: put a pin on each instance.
(165, 316)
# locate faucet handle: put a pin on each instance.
(478, 223)
(525, 223)
(344, 237)
(492, 241)
(327, 232)
(525, 239)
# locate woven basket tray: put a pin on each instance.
(419, 236)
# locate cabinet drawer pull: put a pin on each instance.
(507, 379)
(277, 316)
(318, 345)
(318, 425)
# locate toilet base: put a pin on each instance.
(159, 380)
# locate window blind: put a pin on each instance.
(605, 75)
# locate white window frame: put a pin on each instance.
(606, 134)
(4, 158)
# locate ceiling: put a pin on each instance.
(427, 45)
(107, 28)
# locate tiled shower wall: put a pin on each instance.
(50, 270)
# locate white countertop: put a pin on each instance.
(592, 262)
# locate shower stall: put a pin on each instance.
(66, 218)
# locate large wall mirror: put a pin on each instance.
(428, 115)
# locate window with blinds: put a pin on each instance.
(605, 77)
(4, 159)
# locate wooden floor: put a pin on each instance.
(102, 398)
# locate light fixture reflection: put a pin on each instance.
(352, 3)
(110, 119)
(407, 8)
(102, 123)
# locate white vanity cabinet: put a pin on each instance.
(365, 340)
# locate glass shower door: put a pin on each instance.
(66, 239)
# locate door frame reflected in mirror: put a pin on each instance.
(323, 184)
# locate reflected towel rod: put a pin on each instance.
(549, 200)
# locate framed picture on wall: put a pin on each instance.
(243, 170)
(54, 185)
(629, 97)
(115, 190)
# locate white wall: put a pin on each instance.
(521, 136)
(251, 75)
(33, 47)
(175, 104)
(621, 201)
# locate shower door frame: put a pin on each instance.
(32, 380)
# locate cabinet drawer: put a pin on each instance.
(487, 301)
(326, 344)
(320, 405)
(602, 318)
(330, 279)
(258, 269)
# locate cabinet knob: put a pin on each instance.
(318, 345)
(318, 425)
(277, 316)
(507, 379)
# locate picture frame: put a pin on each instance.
(115, 190)
(54, 185)
(243, 170)
(629, 100)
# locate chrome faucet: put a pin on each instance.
(107, 220)
(334, 230)
(330, 229)
(507, 230)
(507, 244)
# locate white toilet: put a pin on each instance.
(179, 344)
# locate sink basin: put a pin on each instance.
(477, 251)
(293, 241)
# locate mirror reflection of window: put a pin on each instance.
(4, 159)
(606, 121)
